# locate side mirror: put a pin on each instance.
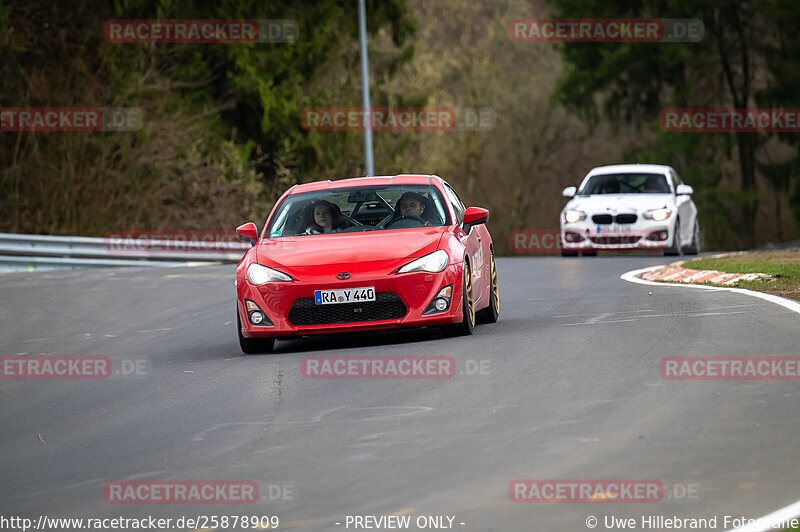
(684, 190)
(248, 232)
(475, 216)
(569, 192)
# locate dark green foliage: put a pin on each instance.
(630, 83)
(222, 121)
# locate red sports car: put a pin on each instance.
(364, 254)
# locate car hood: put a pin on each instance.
(620, 202)
(348, 248)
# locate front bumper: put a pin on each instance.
(642, 235)
(401, 300)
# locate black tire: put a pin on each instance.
(569, 253)
(492, 312)
(675, 248)
(253, 346)
(589, 253)
(467, 325)
(694, 247)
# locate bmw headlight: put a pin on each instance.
(432, 263)
(574, 216)
(258, 275)
(658, 215)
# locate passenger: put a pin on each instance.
(325, 217)
(611, 186)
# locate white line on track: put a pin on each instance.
(775, 519)
(696, 314)
(592, 313)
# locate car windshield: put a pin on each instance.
(627, 183)
(349, 210)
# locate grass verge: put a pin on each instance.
(784, 265)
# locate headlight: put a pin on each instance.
(657, 214)
(258, 275)
(432, 262)
(574, 216)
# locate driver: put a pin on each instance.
(653, 184)
(412, 204)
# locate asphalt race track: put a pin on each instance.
(570, 389)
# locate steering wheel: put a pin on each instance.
(352, 220)
(402, 218)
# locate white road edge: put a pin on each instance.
(633, 277)
(782, 515)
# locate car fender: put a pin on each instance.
(453, 245)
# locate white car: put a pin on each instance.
(630, 206)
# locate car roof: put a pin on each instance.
(400, 179)
(630, 168)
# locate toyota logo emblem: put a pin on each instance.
(343, 276)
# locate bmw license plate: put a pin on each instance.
(344, 295)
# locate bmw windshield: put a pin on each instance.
(627, 183)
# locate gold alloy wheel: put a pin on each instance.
(468, 289)
(495, 288)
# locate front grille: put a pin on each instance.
(387, 306)
(615, 240)
(626, 218)
(605, 219)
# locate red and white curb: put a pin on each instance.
(637, 276)
(677, 273)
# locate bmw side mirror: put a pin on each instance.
(684, 190)
(569, 192)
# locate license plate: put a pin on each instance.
(613, 229)
(344, 295)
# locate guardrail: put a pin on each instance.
(47, 252)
